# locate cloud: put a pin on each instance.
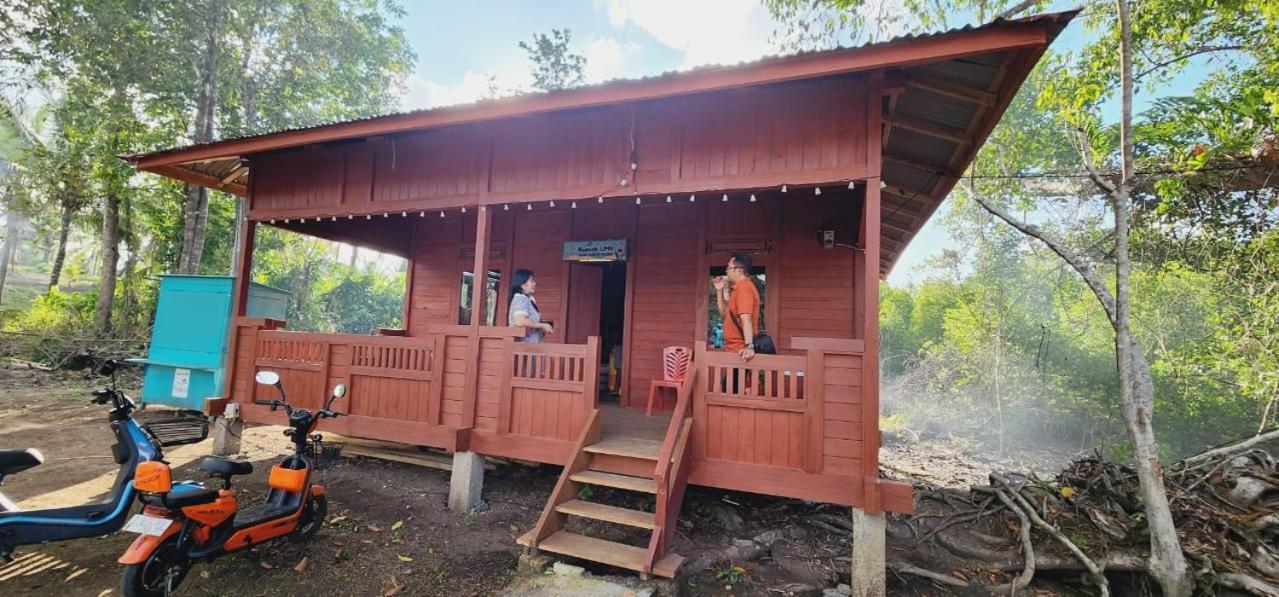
(605, 58)
(426, 93)
(706, 31)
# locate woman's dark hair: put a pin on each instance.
(517, 282)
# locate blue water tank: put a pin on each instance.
(187, 358)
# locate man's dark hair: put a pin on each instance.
(743, 261)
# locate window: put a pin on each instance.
(490, 298)
(715, 321)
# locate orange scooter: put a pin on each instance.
(184, 523)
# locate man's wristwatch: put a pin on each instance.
(751, 345)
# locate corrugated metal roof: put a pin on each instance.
(1059, 19)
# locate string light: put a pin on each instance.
(386, 215)
(817, 190)
(506, 207)
(637, 201)
(530, 207)
(404, 214)
(421, 214)
(783, 188)
(441, 213)
(350, 216)
(634, 166)
(334, 219)
(273, 221)
(668, 198)
(286, 220)
(752, 197)
(622, 183)
(851, 185)
(599, 199)
(692, 198)
(303, 220)
(725, 199)
(573, 206)
(882, 184)
(463, 209)
(368, 216)
(552, 203)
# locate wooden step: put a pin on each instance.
(618, 481)
(608, 552)
(631, 447)
(626, 516)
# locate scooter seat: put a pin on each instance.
(16, 461)
(225, 468)
(180, 499)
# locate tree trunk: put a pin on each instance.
(64, 230)
(1136, 383)
(197, 198)
(110, 257)
(13, 229)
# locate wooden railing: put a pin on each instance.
(671, 472)
(548, 390)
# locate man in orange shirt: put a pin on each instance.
(738, 301)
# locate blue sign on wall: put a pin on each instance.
(596, 250)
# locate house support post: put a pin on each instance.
(868, 554)
(227, 429)
(228, 425)
(467, 482)
(468, 467)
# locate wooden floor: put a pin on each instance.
(620, 421)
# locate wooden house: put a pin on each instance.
(821, 165)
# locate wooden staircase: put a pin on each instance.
(667, 460)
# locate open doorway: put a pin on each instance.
(597, 307)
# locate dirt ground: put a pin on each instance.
(388, 530)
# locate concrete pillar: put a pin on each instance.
(226, 433)
(869, 555)
(466, 483)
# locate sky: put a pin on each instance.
(460, 45)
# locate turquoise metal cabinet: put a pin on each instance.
(187, 358)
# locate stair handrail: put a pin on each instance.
(670, 461)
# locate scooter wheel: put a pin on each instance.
(312, 518)
(159, 575)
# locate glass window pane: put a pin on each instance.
(490, 298)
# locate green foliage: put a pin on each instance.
(554, 66)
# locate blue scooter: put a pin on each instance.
(135, 443)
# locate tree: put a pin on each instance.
(554, 66)
(1129, 49)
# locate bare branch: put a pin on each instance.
(1090, 163)
(1017, 9)
(1028, 548)
(1195, 52)
(1098, 574)
(1076, 261)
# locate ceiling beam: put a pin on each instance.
(932, 129)
(952, 90)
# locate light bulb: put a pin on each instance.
(421, 214)
(634, 166)
(573, 205)
(441, 213)
(506, 207)
(851, 185)
(637, 201)
(599, 199)
(350, 216)
(623, 182)
(668, 198)
(463, 209)
(692, 198)
(272, 221)
(752, 197)
(333, 219)
(530, 207)
(552, 203)
(882, 184)
(725, 199)
(386, 215)
(404, 214)
(286, 220)
(783, 188)
(368, 216)
(817, 190)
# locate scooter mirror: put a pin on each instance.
(267, 378)
(108, 367)
(339, 390)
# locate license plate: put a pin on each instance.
(147, 525)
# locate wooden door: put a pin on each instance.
(585, 283)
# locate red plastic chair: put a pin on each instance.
(675, 362)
